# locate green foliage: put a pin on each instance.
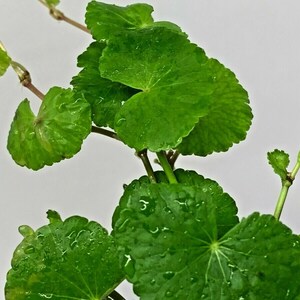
(186, 100)
(5, 61)
(71, 259)
(185, 242)
(105, 96)
(56, 133)
(279, 160)
(158, 91)
(107, 20)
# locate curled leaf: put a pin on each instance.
(56, 133)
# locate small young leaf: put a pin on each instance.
(105, 97)
(180, 89)
(56, 133)
(5, 61)
(279, 160)
(184, 242)
(74, 259)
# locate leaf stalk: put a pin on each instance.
(144, 157)
(285, 188)
(60, 16)
(164, 162)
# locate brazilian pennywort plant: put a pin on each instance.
(176, 234)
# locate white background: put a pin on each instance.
(258, 40)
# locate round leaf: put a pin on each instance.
(164, 228)
(74, 259)
(183, 241)
(5, 61)
(176, 89)
(56, 133)
(105, 97)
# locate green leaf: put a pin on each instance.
(279, 160)
(74, 259)
(228, 120)
(106, 97)
(5, 61)
(52, 2)
(107, 20)
(180, 86)
(56, 133)
(183, 241)
(171, 101)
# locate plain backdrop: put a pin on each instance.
(258, 40)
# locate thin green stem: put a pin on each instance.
(281, 199)
(285, 188)
(25, 79)
(162, 157)
(144, 157)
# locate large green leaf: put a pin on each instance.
(56, 133)
(279, 160)
(5, 61)
(106, 20)
(183, 241)
(106, 97)
(166, 67)
(180, 86)
(74, 259)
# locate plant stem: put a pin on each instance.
(162, 157)
(172, 157)
(105, 132)
(285, 188)
(144, 157)
(114, 295)
(25, 79)
(59, 16)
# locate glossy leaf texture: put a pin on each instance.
(106, 20)
(184, 241)
(105, 97)
(5, 61)
(279, 160)
(56, 133)
(180, 87)
(71, 259)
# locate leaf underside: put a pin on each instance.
(5, 61)
(74, 259)
(184, 242)
(56, 133)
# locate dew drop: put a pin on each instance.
(168, 275)
(152, 282)
(26, 230)
(169, 294)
